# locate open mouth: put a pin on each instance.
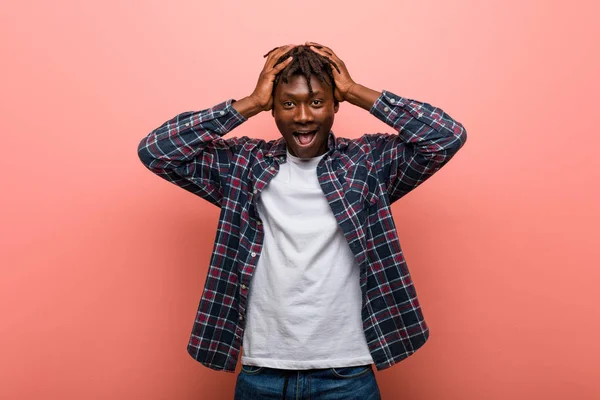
(305, 138)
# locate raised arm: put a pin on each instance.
(427, 136)
(189, 151)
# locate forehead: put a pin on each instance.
(297, 86)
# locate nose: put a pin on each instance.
(303, 114)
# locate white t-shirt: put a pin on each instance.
(304, 305)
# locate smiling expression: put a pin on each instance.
(304, 120)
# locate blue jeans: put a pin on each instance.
(347, 383)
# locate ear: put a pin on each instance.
(336, 107)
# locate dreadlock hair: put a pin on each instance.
(307, 63)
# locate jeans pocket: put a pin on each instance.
(351, 372)
(252, 369)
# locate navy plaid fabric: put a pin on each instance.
(360, 179)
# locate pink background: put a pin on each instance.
(103, 263)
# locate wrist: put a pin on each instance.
(257, 104)
(350, 95)
(248, 106)
(362, 96)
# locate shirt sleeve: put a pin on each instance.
(188, 150)
(427, 138)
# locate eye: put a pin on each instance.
(288, 104)
(317, 102)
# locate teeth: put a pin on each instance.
(304, 138)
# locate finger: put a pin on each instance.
(308, 43)
(335, 61)
(320, 47)
(319, 50)
(276, 54)
(270, 53)
(325, 54)
(279, 67)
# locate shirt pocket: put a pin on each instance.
(363, 189)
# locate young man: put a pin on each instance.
(307, 270)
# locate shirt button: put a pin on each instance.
(386, 109)
(420, 115)
(253, 254)
(241, 317)
(244, 287)
(255, 191)
(272, 169)
(258, 222)
(392, 101)
(187, 124)
(222, 113)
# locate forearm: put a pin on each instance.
(362, 96)
(428, 128)
(185, 136)
(419, 123)
(188, 150)
(427, 139)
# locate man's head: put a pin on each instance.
(304, 104)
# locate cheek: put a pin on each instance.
(277, 118)
(281, 123)
(326, 116)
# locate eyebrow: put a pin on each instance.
(315, 93)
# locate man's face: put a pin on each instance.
(304, 120)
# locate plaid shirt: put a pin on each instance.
(360, 179)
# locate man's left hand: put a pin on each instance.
(343, 81)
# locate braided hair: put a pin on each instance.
(306, 63)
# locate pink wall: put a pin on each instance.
(103, 263)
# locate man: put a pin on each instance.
(307, 270)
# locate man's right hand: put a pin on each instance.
(261, 98)
(263, 94)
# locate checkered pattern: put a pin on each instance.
(360, 179)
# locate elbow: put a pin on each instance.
(455, 139)
(144, 154)
(460, 135)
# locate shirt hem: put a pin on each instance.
(315, 364)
